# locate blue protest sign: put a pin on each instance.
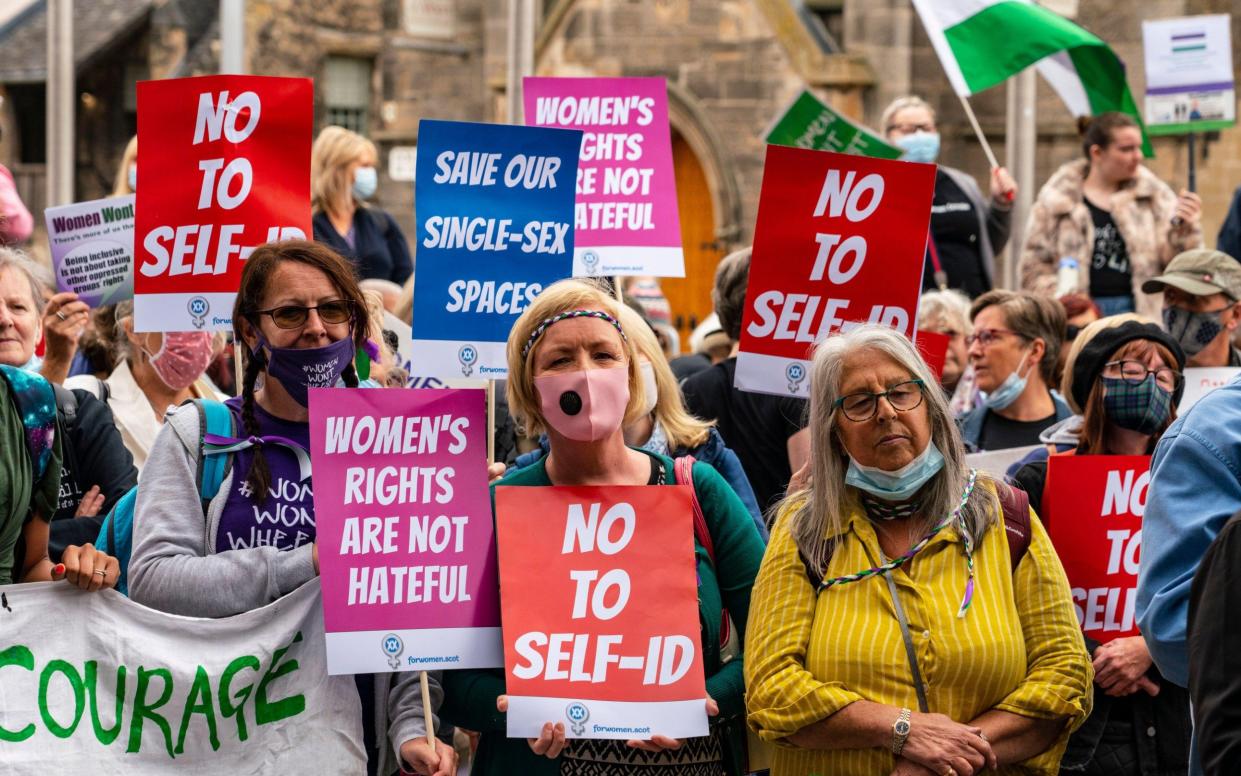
(495, 227)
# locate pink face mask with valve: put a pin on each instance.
(182, 358)
(584, 406)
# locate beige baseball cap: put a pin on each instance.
(1200, 272)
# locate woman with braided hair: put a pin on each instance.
(911, 616)
(301, 317)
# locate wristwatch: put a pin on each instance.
(900, 731)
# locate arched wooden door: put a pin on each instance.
(690, 296)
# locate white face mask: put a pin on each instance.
(649, 388)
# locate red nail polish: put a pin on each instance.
(58, 570)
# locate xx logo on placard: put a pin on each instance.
(577, 714)
(468, 356)
(199, 307)
(393, 647)
(591, 260)
(795, 373)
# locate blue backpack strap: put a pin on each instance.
(213, 418)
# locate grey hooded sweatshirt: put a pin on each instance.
(174, 568)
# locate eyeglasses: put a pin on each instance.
(293, 316)
(988, 337)
(1135, 373)
(909, 129)
(864, 405)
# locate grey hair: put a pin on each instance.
(821, 507)
(12, 258)
(900, 104)
(122, 348)
(951, 308)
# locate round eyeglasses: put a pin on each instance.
(864, 405)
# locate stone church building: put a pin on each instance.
(731, 66)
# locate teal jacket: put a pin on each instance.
(470, 696)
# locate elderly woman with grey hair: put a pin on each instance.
(967, 230)
(948, 313)
(896, 625)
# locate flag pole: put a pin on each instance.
(978, 131)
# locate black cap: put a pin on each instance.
(1095, 353)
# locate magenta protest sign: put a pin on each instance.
(405, 535)
(625, 220)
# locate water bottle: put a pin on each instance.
(1066, 277)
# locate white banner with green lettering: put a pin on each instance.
(95, 683)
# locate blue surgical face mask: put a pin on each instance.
(365, 182)
(919, 147)
(899, 485)
(133, 177)
(1013, 386)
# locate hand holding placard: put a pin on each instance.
(601, 624)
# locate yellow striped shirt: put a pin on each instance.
(1018, 649)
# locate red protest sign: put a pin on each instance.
(1093, 507)
(225, 164)
(600, 613)
(933, 347)
(840, 239)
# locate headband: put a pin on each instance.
(542, 327)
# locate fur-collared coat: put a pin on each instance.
(1060, 226)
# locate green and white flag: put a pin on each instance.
(983, 42)
(809, 123)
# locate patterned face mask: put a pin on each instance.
(1194, 331)
(1143, 408)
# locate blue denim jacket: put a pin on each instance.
(713, 451)
(1195, 488)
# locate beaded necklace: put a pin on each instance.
(914, 550)
(878, 509)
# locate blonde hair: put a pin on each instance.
(821, 508)
(683, 430)
(559, 297)
(900, 104)
(120, 186)
(334, 150)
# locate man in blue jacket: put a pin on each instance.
(1195, 488)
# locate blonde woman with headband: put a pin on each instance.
(666, 427)
(900, 623)
(343, 178)
(575, 373)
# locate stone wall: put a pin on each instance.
(731, 66)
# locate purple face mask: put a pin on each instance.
(300, 369)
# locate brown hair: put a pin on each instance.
(732, 276)
(1098, 131)
(255, 277)
(1033, 317)
(1094, 417)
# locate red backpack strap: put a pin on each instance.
(683, 469)
(1016, 508)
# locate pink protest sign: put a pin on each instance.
(406, 551)
(626, 220)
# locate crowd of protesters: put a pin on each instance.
(893, 609)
